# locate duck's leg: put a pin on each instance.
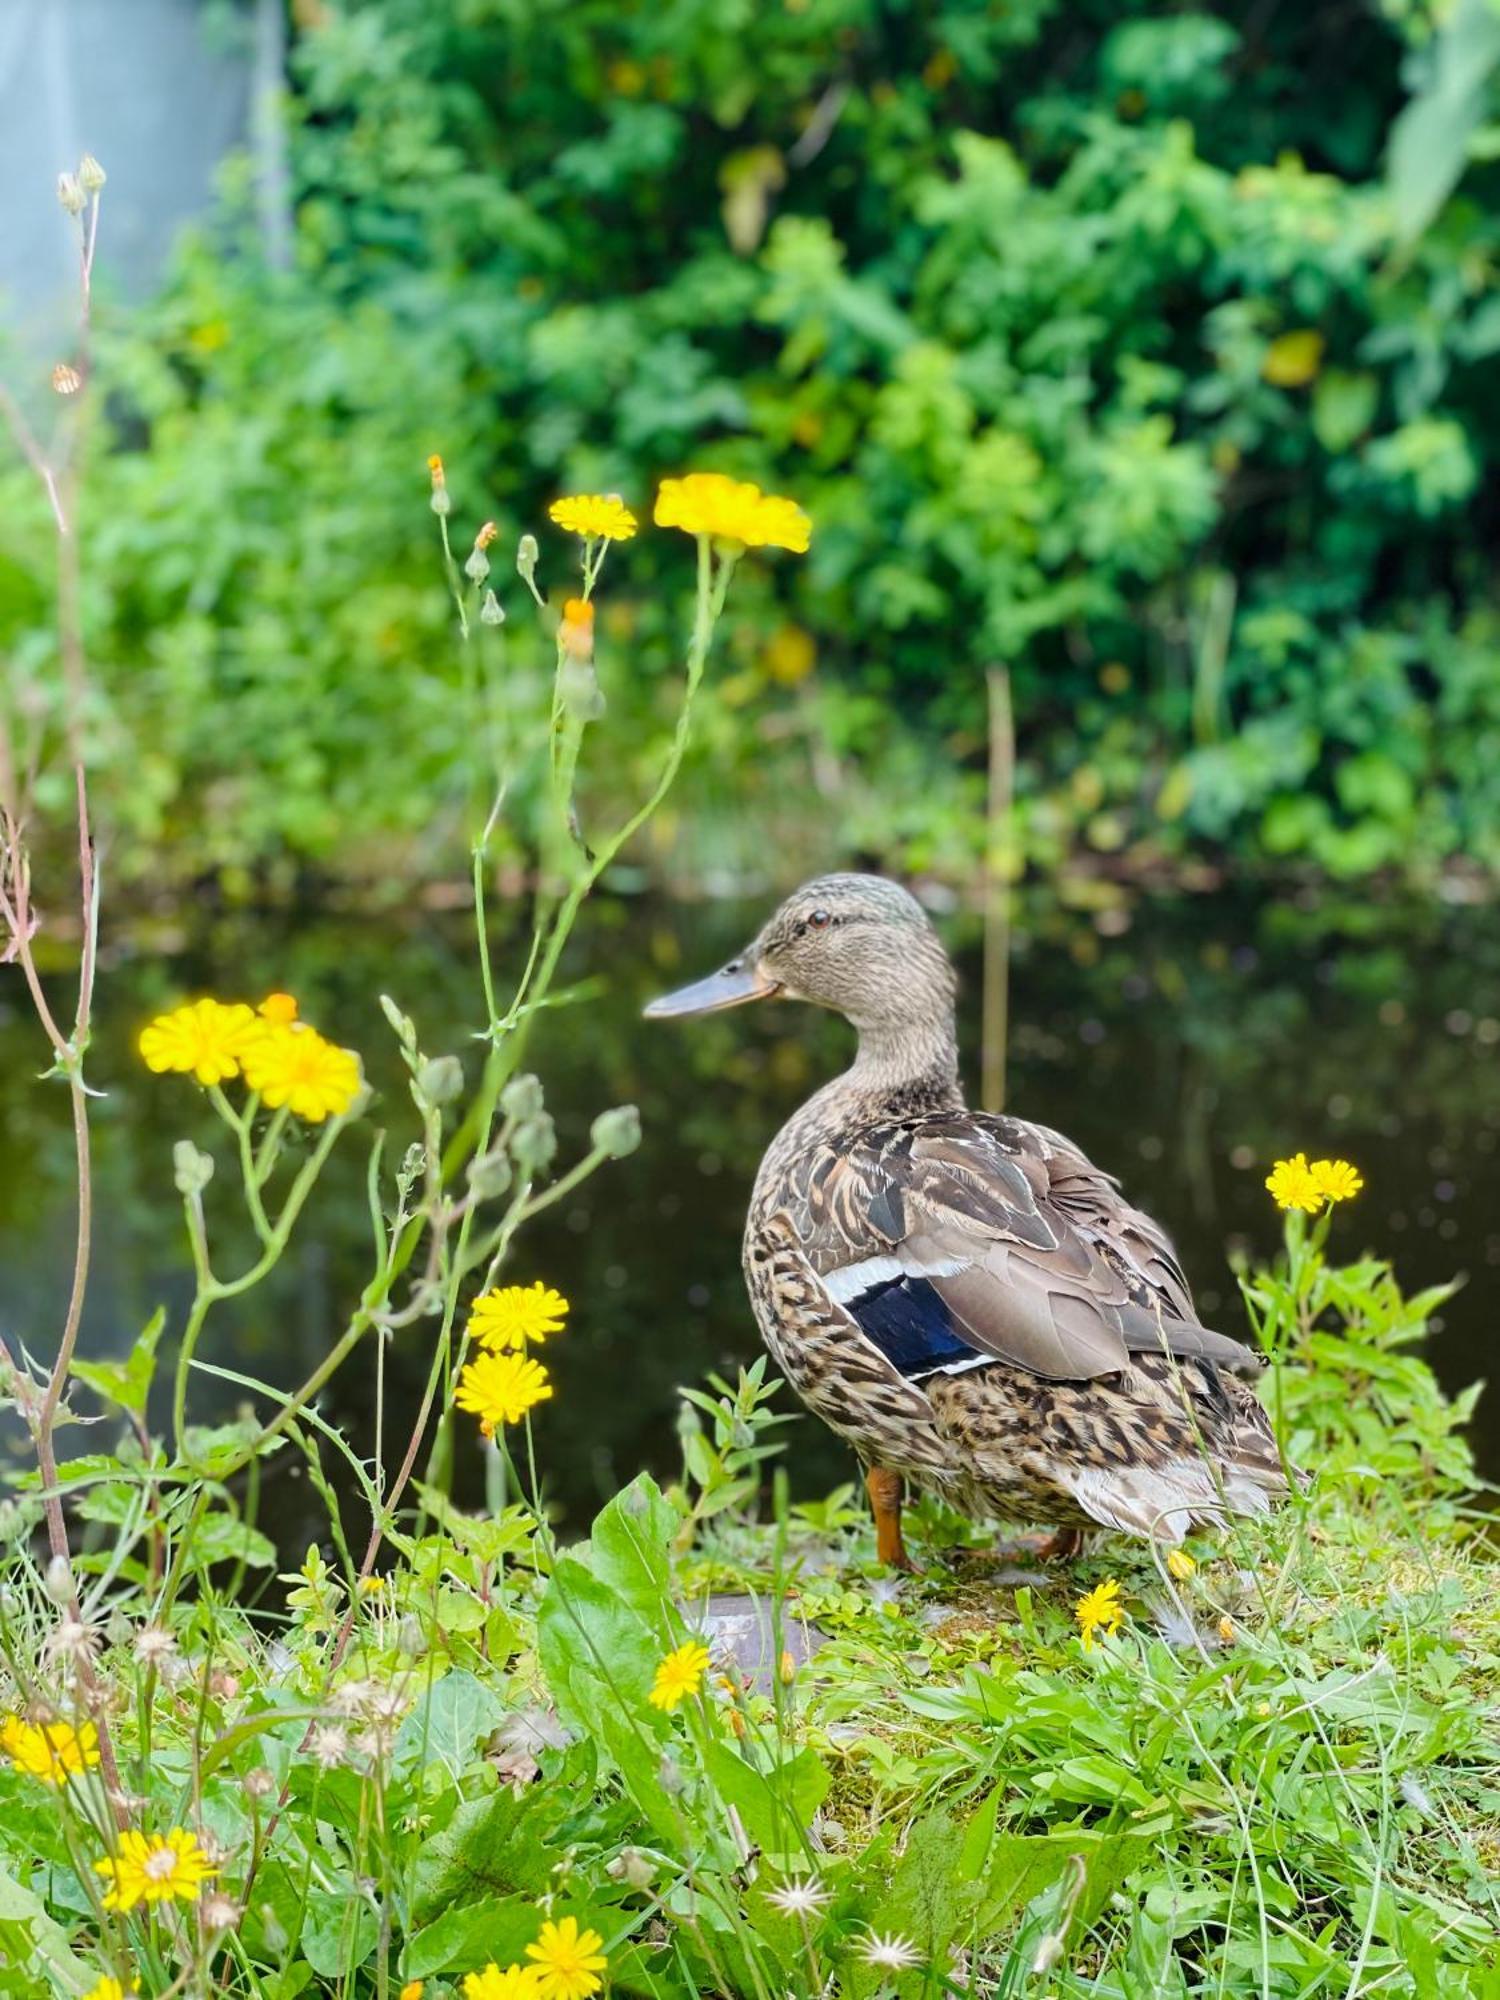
(885, 1490)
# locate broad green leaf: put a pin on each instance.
(127, 1382)
(339, 1932)
(448, 1723)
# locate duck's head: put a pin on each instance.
(855, 943)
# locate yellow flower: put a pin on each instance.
(202, 1038)
(50, 1751)
(1226, 1631)
(371, 1586)
(679, 1675)
(1292, 1185)
(294, 1066)
(1099, 1611)
(597, 516)
(568, 1961)
(708, 503)
(508, 1318)
(1336, 1179)
(501, 1388)
(1180, 1564)
(280, 1009)
(435, 468)
(155, 1868)
(109, 1989)
(516, 1982)
(412, 1990)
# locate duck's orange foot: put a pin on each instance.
(886, 1494)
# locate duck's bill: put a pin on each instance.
(731, 987)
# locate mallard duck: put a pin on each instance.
(966, 1298)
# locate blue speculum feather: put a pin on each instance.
(910, 1324)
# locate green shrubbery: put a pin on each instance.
(1094, 346)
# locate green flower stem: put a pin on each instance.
(211, 1290)
(239, 1124)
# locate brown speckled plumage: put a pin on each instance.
(966, 1298)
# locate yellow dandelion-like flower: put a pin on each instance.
(568, 1961)
(732, 510)
(109, 1989)
(280, 1009)
(294, 1066)
(515, 1314)
(516, 1982)
(679, 1675)
(501, 1388)
(155, 1868)
(1099, 1611)
(413, 1989)
(1180, 1564)
(599, 517)
(203, 1038)
(1292, 1185)
(49, 1751)
(1336, 1180)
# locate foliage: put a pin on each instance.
(1096, 345)
(1276, 1773)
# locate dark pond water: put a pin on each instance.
(1184, 1049)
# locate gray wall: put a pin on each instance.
(158, 91)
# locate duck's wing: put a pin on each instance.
(955, 1238)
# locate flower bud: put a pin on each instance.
(526, 555)
(489, 1175)
(633, 1866)
(66, 380)
(192, 1170)
(616, 1133)
(69, 194)
(578, 689)
(91, 176)
(577, 629)
(58, 1580)
(491, 610)
(522, 1097)
(534, 1143)
(477, 566)
(439, 1080)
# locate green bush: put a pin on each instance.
(1096, 346)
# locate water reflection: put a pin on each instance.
(1182, 1049)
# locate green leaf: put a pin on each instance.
(1021, 1866)
(1430, 139)
(629, 1549)
(29, 1937)
(339, 1931)
(448, 1722)
(498, 1928)
(127, 1382)
(775, 1807)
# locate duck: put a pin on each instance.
(963, 1296)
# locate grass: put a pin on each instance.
(1278, 1777)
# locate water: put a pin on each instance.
(1183, 1043)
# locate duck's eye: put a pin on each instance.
(820, 920)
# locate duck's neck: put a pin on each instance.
(905, 1060)
(899, 1071)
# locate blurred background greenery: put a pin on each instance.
(1145, 350)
